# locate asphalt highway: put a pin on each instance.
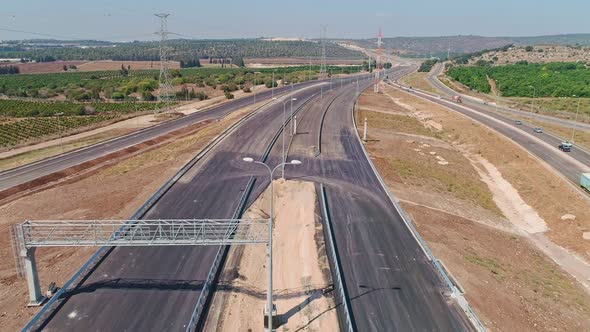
(26, 173)
(391, 283)
(156, 288)
(543, 145)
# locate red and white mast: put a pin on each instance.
(378, 61)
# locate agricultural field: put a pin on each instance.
(555, 79)
(29, 103)
(129, 84)
(29, 121)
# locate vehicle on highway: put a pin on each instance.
(565, 146)
(585, 181)
(518, 122)
(538, 130)
(439, 97)
(457, 99)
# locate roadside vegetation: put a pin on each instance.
(32, 102)
(129, 84)
(556, 79)
(427, 65)
(418, 80)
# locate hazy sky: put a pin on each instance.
(133, 19)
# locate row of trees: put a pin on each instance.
(184, 50)
(9, 70)
(193, 63)
(427, 65)
(85, 86)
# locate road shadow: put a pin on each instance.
(314, 294)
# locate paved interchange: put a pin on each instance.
(391, 283)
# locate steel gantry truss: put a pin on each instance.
(30, 235)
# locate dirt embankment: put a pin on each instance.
(481, 203)
(301, 277)
(115, 191)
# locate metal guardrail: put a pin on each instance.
(103, 251)
(339, 283)
(408, 222)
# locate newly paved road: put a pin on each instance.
(544, 146)
(156, 289)
(26, 173)
(391, 283)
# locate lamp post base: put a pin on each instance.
(275, 318)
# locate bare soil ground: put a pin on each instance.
(479, 201)
(301, 276)
(117, 191)
(44, 67)
(116, 65)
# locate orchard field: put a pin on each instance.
(557, 79)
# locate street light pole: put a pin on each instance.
(61, 142)
(269, 305)
(272, 92)
(255, 88)
(576, 121)
(292, 128)
(533, 103)
(284, 159)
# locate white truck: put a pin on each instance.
(585, 181)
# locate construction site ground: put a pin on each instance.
(302, 284)
(114, 191)
(488, 210)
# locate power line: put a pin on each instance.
(36, 33)
(323, 69)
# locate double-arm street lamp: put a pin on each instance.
(269, 306)
(283, 160)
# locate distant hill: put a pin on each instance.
(438, 46)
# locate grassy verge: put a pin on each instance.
(418, 80)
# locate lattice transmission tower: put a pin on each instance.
(166, 91)
(323, 69)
